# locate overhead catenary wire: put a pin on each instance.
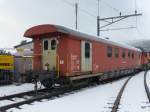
(69, 3)
(113, 29)
(94, 16)
(108, 5)
(81, 9)
(114, 21)
(136, 19)
(135, 5)
(137, 23)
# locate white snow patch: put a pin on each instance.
(95, 99)
(134, 98)
(148, 79)
(13, 89)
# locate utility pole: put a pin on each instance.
(76, 13)
(98, 17)
(111, 20)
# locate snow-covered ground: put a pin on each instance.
(94, 99)
(13, 89)
(148, 79)
(134, 98)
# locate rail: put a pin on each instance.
(43, 95)
(117, 101)
(146, 87)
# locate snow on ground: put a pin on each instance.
(13, 89)
(148, 79)
(94, 99)
(134, 98)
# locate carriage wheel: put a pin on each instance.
(47, 83)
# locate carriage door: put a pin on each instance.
(49, 53)
(86, 60)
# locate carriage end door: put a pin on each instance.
(49, 53)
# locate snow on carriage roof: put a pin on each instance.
(90, 37)
(49, 28)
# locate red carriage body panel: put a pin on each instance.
(69, 51)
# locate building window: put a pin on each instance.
(133, 55)
(45, 44)
(87, 50)
(109, 51)
(129, 54)
(123, 53)
(116, 52)
(53, 44)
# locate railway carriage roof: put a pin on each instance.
(48, 28)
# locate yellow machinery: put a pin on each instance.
(6, 62)
(6, 69)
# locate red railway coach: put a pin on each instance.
(76, 55)
(145, 59)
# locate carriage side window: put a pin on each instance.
(45, 44)
(116, 52)
(109, 51)
(53, 44)
(87, 50)
(129, 54)
(145, 54)
(133, 55)
(123, 53)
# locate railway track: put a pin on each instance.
(48, 94)
(146, 87)
(21, 95)
(117, 101)
(32, 96)
(42, 94)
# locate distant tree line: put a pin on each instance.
(3, 52)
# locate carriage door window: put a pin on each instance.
(123, 53)
(129, 54)
(87, 50)
(109, 51)
(116, 52)
(46, 45)
(53, 44)
(86, 56)
(133, 55)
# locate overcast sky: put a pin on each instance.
(18, 15)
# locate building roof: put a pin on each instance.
(24, 54)
(23, 44)
(48, 28)
(40, 29)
